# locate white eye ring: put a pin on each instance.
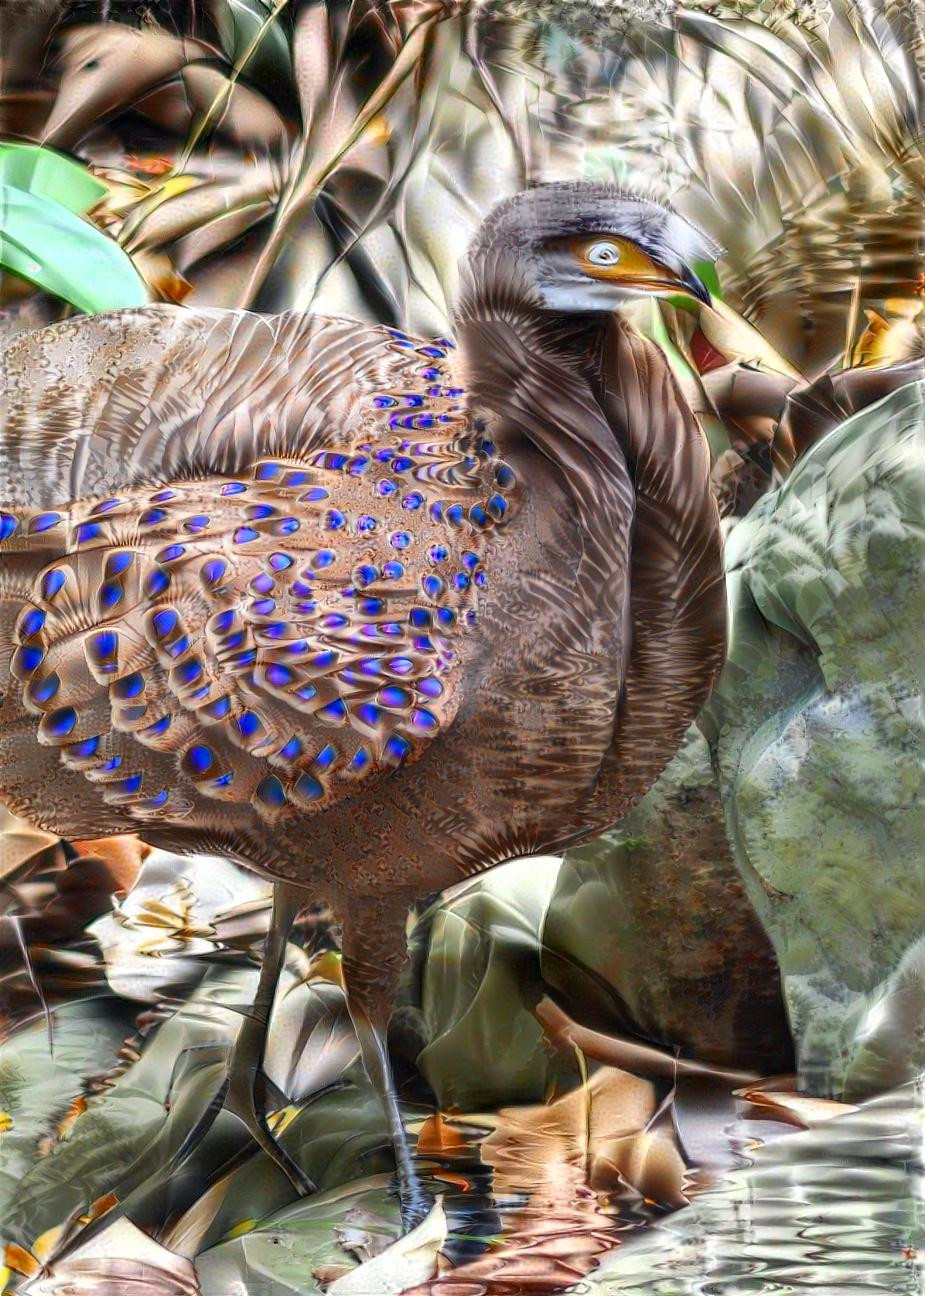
(603, 254)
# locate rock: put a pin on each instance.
(650, 930)
(817, 728)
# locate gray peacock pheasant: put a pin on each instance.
(364, 612)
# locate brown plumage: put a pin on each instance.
(364, 612)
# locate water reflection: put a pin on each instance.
(835, 1209)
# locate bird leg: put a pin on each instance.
(239, 1094)
(375, 952)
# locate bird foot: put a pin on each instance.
(239, 1100)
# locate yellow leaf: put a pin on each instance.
(16, 1258)
(279, 1120)
(46, 1242)
(245, 1226)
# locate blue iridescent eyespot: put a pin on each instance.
(420, 617)
(365, 575)
(393, 571)
(430, 687)
(360, 760)
(263, 583)
(271, 792)
(334, 520)
(164, 622)
(323, 660)
(32, 623)
(127, 786)
(314, 495)
(286, 526)
(433, 586)
(60, 723)
(157, 728)
(222, 622)
(171, 553)
(396, 749)
(394, 697)
(152, 516)
(111, 592)
(116, 563)
(248, 723)
(244, 535)
(325, 758)
(266, 471)
(83, 750)
(280, 561)
(52, 582)
(368, 714)
(198, 759)
(189, 671)
(44, 689)
(156, 582)
(292, 749)
(424, 720)
(308, 787)
(8, 525)
(438, 553)
(399, 539)
(44, 522)
(197, 523)
(104, 644)
(26, 660)
(128, 687)
(233, 488)
(279, 676)
(323, 558)
(255, 512)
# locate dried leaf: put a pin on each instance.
(115, 1262)
(409, 1261)
(793, 1108)
(437, 1136)
(20, 842)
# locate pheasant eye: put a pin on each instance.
(603, 254)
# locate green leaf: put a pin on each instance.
(43, 241)
(51, 175)
(253, 40)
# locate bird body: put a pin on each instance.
(364, 611)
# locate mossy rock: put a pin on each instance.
(819, 739)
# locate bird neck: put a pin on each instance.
(533, 383)
(534, 380)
